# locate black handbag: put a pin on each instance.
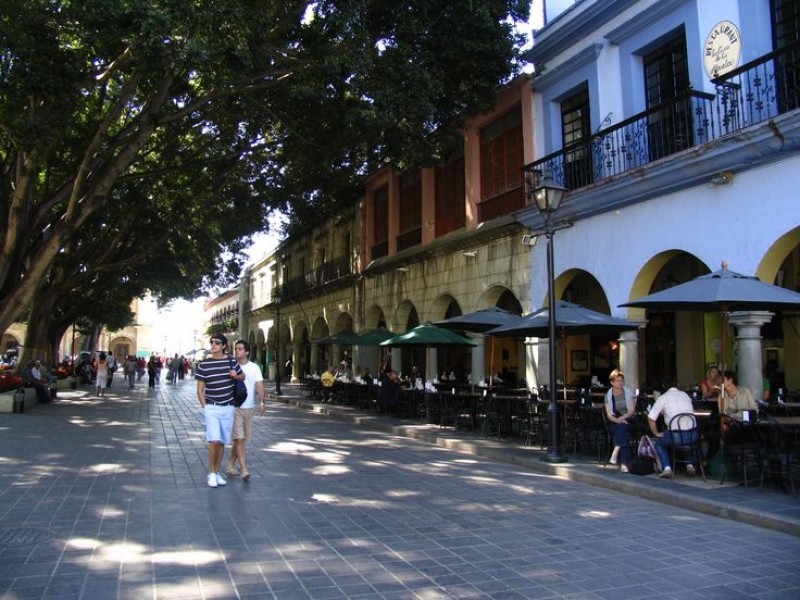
(239, 393)
(642, 465)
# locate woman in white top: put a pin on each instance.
(620, 405)
(102, 373)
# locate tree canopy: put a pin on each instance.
(174, 128)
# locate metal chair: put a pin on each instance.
(609, 437)
(739, 447)
(780, 453)
(687, 446)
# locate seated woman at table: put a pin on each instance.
(712, 384)
(737, 398)
(620, 404)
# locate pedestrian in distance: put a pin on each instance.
(112, 368)
(215, 377)
(243, 416)
(102, 373)
(130, 370)
(152, 368)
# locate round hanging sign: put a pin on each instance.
(722, 50)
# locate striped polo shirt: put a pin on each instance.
(215, 373)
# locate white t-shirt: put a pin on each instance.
(252, 374)
(671, 403)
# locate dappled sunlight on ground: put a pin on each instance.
(332, 511)
(133, 553)
(595, 514)
(330, 470)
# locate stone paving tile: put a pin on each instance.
(339, 511)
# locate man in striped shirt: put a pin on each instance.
(215, 376)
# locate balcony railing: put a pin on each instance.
(751, 94)
(329, 271)
(409, 239)
(760, 90)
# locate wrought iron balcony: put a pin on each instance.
(664, 129)
(753, 93)
(760, 90)
(328, 272)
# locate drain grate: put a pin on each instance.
(14, 537)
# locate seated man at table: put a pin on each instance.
(670, 403)
(390, 385)
(738, 399)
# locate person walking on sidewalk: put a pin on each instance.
(102, 373)
(243, 417)
(215, 377)
(130, 370)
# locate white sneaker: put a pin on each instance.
(623, 469)
(220, 479)
(212, 480)
(690, 471)
(666, 473)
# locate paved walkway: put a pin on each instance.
(765, 507)
(106, 498)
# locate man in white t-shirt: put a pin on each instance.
(670, 403)
(243, 418)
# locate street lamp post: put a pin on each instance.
(548, 195)
(277, 300)
(74, 383)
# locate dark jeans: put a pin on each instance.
(42, 393)
(674, 437)
(622, 438)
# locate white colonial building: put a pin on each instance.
(675, 126)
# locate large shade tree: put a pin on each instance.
(243, 106)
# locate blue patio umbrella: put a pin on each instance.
(344, 338)
(428, 335)
(570, 319)
(721, 291)
(481, 321)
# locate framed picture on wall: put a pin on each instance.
(579, 360)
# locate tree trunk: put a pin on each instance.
(37, 343)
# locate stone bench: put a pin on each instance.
(7, 399)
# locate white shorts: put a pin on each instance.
(219, 423)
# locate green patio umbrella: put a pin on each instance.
(373, 337)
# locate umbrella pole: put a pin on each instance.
(723, 365)
(564, 361)
(491, 363)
